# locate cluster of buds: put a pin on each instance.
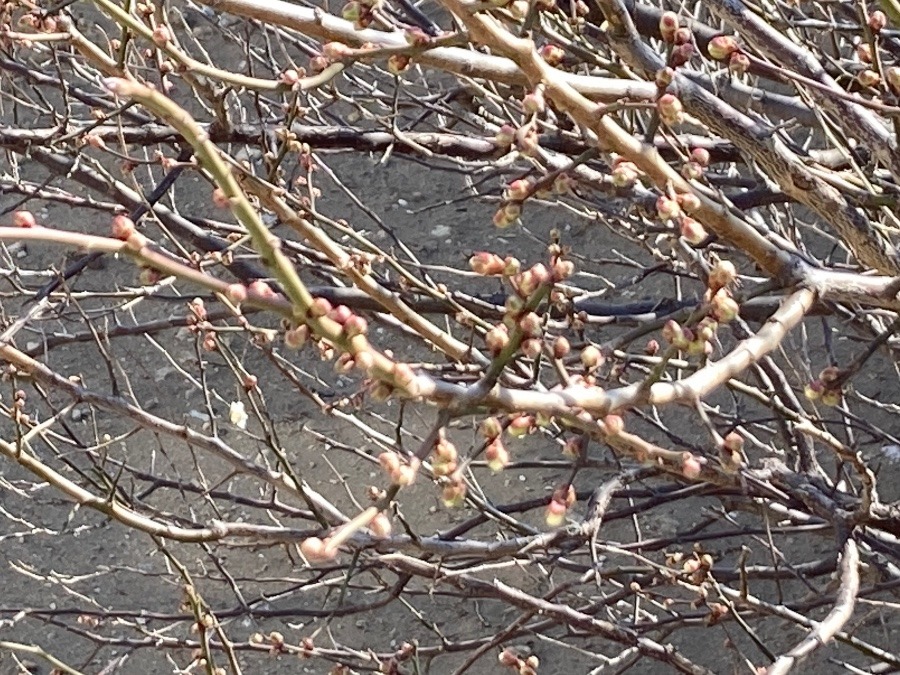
(731, 452)
(492, 265)
(507, 214)
(697, 568)
(444, 457)
(560, 502)
(523, 666)
(360, 12)
(316, 550)
(402, 473)
(518, 190)
(453, 492)
(37, 21)
(680, 37)
(693, 341)
(827, 387)
(697, 162)
(529, 281)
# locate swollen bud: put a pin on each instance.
(670, 109)
(722, 47)
(668, 25)
(877, 21)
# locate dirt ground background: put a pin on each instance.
(53, 556)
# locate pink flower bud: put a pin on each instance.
(380, 526)
(689, 202)
(161, 35)
(236, 293)
(397, 63)
(868, 78)
(487, 264)
(722, 274)
(496, 455)
(527, 141)
(335, 50)
(690, 466)
(290, 77)
(511, 266)
(530, 325)
(667, 208)
(733, 442)
(563, 269)
(591, 357)
(724, 307)
(122, 227)
(552, 54)
(722, 47)
(892, 76)
(691, 171)
(320, 307)
(496, 339)
(614, 424)
(355, 325)
(681, 54)
(692, 231)
(683, 36)
(507, 215)
(534, 103)
(739, 63)
(295, 338)
(864, 52)
(314, 550)
(520, 426)
(701, 156)
(877, 21)
(531, 348)
(491, 428)
(220, 199)
(561, 348)
(668, 25)
(453, 495)
(624, 175)
(555, 514)
(651, 348)
(664, 77)
(340, 314)
(518, 190)
(670, 109)
(505, 136)
(26, 219)
(673, 333)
